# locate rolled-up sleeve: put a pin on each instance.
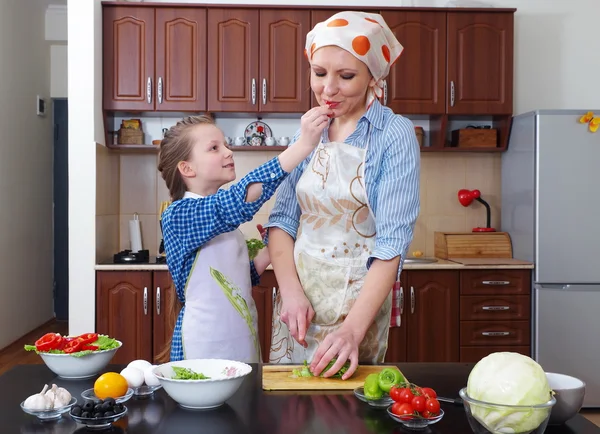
(398, 200)
(286, 211)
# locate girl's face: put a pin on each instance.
(339, 80)
(210, 165)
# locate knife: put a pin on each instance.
(456, 401)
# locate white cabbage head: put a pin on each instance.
(507, 378)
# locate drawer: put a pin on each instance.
(491, 308)
(475, 354)
(495, 282)
(494, 333)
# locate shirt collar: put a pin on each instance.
(192, 195)
(374, 115)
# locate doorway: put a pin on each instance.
(61, 209)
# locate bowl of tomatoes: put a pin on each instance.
(75, 357)
(414, 407)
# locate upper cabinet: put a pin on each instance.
(256, 60)
(154, 59)
(455, 63)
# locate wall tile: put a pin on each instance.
(138, 184)
(107, 237)
(107, 181)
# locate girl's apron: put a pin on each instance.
(220, 318)
(335, 238)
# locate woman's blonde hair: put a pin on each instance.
(176, 146)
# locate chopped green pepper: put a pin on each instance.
(390, 377)
(371, 387)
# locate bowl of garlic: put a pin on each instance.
(49, 404)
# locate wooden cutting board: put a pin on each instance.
(278, 377)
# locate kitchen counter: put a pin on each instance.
(251, 410)
(440, 264)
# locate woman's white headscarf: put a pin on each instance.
(366, 36)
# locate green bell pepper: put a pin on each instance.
(390, 377)
(371, 387)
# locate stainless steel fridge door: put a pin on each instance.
(568, 207)
(566, 334)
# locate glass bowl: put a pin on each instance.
(384, 402)
(145, 390)
(89, 395)
(416, 422)
(97, 423)
(485, 417)
(47, 415)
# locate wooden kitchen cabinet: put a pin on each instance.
(256, 60)
(154, 59)
(132, 306)
(264, 297)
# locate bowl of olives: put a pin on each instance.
(98, 414)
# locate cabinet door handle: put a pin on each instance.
(495, 308)
(149, 90)
(253, 91)
(496, 282)
(158, 300)
(401, 300)
(452, 94)
(385, 92)
(274, 296)
(495, 333)
(264, 89)
(412, 300)
(145, 300)
(159, 90)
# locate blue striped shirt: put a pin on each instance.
(392, 175)
(189, 223)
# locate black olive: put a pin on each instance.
(76, 410)
(86, 415)
(88, 406)
(110, 401)
(119, 409)
(99, 414)
(109, 413)
(97, 408)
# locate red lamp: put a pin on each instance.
(465, 197)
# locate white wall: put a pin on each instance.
(555, 66)
(26, 268)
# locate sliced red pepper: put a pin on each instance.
(72, 346)
(88, 338)
(50, 341)
(89, 347)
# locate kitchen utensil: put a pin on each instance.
(99, 422)
(270, 141)
(240, 141)
(456, 401)
(569, 393)
(135, 233)
(481, 415)
(284, 141)
(228, 140)
(416, 422)
(278, 377)
(67, 366)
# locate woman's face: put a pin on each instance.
(339, 80)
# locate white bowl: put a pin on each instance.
(569, 393)
(226, 376)
(72, 368)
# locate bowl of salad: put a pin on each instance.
(75, 357)
(201, 383)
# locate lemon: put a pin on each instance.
(417, 253)
(110, 385)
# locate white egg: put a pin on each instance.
(139, 364)
(134, 377)
(150, 378)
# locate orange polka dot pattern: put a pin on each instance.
(366, 36)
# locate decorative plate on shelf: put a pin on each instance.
(256, 133)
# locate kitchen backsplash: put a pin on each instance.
(141, 190)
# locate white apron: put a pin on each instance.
(335, 238)
(220, 318)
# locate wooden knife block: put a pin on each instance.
(472, 245)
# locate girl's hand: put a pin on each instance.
(342, 344)
(296, 313)
(312, 124)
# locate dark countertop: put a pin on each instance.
(250, 410)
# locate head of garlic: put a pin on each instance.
(39, 401)
(59, 396)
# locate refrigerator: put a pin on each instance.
(551, 209)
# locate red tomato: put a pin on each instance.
(406, 396)
(404, 411)
(395, 393)
(418, 403)
(426, 414)
(433, 406)
(428, 392)
(396, 408)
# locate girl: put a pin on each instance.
(206, 254)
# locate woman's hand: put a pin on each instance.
(343, 344)
(312, 124)
(296, 313)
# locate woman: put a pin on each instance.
(344, 218)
